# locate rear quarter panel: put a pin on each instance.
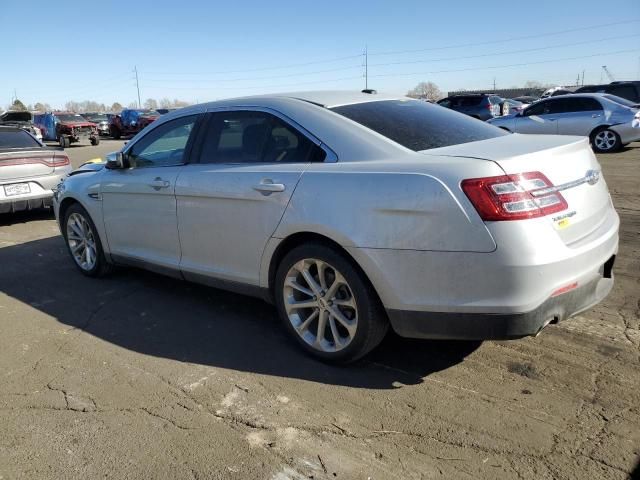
(417, 206)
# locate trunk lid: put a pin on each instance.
(16, 164)
(568, 162)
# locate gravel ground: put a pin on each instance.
(140, 376)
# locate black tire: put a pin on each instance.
(101, 267)
(115, 132)
(372, 323)
(601, 145)
(95, 141)
(64, 141)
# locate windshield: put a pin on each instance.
(620, 100)
(418, 125)
(101, 117)
(10, 138)
(70, 117)
(148, 112)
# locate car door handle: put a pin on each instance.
(159, 183)
(267, 187)
(595, 115)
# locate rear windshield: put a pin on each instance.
(419, 125)
(16, 139)
(621, 101)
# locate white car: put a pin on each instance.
(610, 122)
(353, 212)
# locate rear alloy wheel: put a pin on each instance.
(605, 141)
(83, 242)
(328, 305)
(64, 141)
(94, 141)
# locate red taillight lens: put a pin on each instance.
(59, 160)
(513, 197)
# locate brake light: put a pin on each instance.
(59, 160)
(513, 197)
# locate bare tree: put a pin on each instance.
(133, 105)
(151, 104)
(42, 107)
(426, 91)
(116, 107)
(17, 105)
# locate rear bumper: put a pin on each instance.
(487, 326)
(11, 205)
(627, 133)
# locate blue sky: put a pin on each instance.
(199, 50)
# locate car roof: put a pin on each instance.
(327, 98)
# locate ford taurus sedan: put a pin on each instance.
(353, 212)
(610, 124)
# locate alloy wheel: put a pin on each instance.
(605, 140)
(81, 241)
(320, 305)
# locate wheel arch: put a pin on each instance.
(597, 129)
(300, 238)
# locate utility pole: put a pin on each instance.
(366, 68)
(583, 78)
(494, 84)
(135, 69)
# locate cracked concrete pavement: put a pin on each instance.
(141, 376)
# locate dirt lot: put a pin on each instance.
(140, 376)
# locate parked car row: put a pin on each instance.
(610, 121)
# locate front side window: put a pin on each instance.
(255, 137)
(164, 145)
(624, 91)
(418, 125)
(540, 108)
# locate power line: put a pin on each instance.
(280, 67)
(473, 69)
(270, 77)
(548, 47)
(511, 39)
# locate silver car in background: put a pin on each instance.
(29, 171)
(353, 212)
(610, 122)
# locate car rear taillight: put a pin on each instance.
(513, 197)
(59, 160)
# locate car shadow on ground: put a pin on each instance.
(26, 216)
(167, 318)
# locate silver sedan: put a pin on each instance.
(353, 213)
(610, 122)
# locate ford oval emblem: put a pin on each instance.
(592, 177)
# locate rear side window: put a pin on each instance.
(17, 139)
(466, 101)
(255, 137)
(418, 125)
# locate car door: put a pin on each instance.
(230, 203)
(538, 118)
(139, 203)
(580, 116)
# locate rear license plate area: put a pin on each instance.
(16, 189)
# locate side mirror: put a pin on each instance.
(115, 161)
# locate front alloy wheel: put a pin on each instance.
(83, 242)
(320, 305)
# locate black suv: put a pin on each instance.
(629, 90)
(482, 106)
